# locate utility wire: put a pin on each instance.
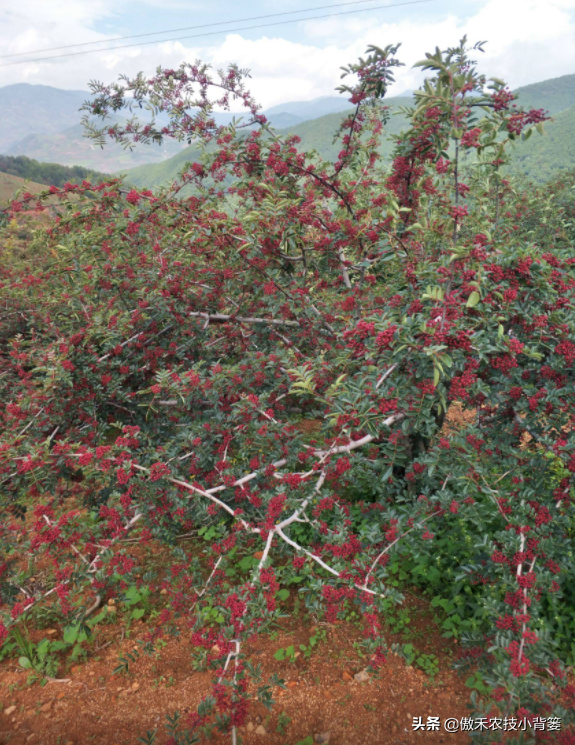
(183, 28)
(213, 33)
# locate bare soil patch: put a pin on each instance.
(321, 694)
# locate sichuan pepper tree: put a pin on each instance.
(157, 363)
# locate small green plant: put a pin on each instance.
(150, 737)
(159, 644)
(200, 660)
(283, 721)
(74, 636)
(35, 657)
(353, 616)
(46, 616)
(398, 622)
(408, 651)
(426, 662)
(41, 658)
(296, 608)
(211, 616)
(429, 664)
(319, 636)
(137, 596)
(453, 624)
(6, 650)
(344, 701)
(477, 683)
(124, 666)
(208, 533)
(286, 653)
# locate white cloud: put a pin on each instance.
(37, 25)
(528, 40)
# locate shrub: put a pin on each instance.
(172, 346)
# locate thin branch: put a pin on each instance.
(386, 375)
(223, 318)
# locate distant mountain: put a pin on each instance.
(43, 123)
(305, 110)
(284, 119)
(542, 157)
(36, 109)
(554, 95)
(70, 147)
(314, 109)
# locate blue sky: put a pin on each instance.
(141, 17)
(528, 40)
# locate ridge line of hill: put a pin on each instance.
(62, 140)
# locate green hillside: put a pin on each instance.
(538, 158)
(158, 174)
(541, 157)
(553, 95)
(46, 173)
(317, 134)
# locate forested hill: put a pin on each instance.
(554, 95)
(47, 173)
(538, 158)
(542, 157)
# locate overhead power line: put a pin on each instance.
(183, 28)
(213, 33)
